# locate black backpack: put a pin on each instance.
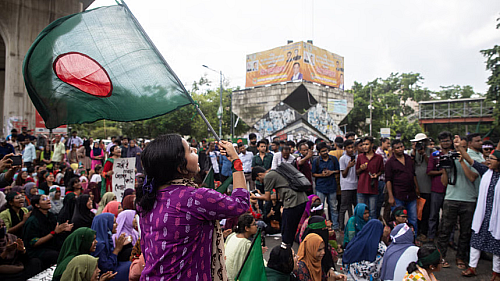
(296, 180)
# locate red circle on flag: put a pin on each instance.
(84, 73)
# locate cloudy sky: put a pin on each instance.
(438, 39)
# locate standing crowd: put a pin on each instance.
(58, 209)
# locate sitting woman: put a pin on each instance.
(128, 202)
(429, 261)
(399, 254)
(106, 198)
(14, 263)
(30, 190)
(83, 216)
(282, 262)
(356, 222)
(398, 216)
(364, 254)
(55, 199)
(312, 199)
(42, 235)
(16, 214)
(137, 259)
(113, 207)
(272, 215)
(126, 225)
(317, 224)
(104, 226)
(84, 268)
(238, 244)
(81, 241)
(311, 252)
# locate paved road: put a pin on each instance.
(452, 273)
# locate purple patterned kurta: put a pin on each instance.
(177, 234)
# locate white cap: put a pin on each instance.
(419, 137)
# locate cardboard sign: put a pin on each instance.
(123, 176)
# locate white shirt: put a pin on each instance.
(74, 140)
(246, 159)
(29, 153)
(278, 159)
(95, 178)
(213, 158)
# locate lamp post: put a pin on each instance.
(219, 112)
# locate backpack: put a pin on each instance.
(296, 180)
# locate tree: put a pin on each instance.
(493, 64)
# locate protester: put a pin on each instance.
(106, 198)
(55, 199)
(238, 244)
(348, 182)
(46, 157)
(94, 191)
(364, 254)
(81, 241)
(30, 190)
(42, 234)
(282, 262)
(126, 225)
(104, 227)
(398, 216)
(356, 222)
(317, 225)
(16, 215)
(399, 254)
(283, 156)
(485, 227)
(21, 178)
(82, 216)
(385, 145)
(324, 169)
(135, 151)
(127, 192)
(48, 183)
(313, 198)
(138, 263)
(113, 207)
(129, 202)
(85, 268)
(167, 210)
(97, 155)
(59, 151)
(14, 263)
(246, 158)
(68, 209)
(304, 163)
(428, 262)
(107, 171)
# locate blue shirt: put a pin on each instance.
(226, 166)
(326, 184)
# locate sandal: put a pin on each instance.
(461, 264)
(469, 272)
(495, 276)
(445, 264)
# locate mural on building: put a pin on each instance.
(319, 118)
(276, 119)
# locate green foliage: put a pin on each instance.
(407, 129)
(99, 132)
(493, 63)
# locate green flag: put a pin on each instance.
(99, 64)
(253, 268)
(223, 187)
(208, 182)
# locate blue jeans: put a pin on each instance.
(371, 201)
(333, 215)
(411, 208)
(380, 199)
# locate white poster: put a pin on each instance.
(123, 176)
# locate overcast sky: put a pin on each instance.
(440, 40)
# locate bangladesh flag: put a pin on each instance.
(253, 268)
(99, 64)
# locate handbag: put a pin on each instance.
(275, 224)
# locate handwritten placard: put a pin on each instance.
(123, 176)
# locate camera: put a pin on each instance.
(419, 145)
(445, 161)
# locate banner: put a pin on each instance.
(295, 62)
(337, 106)
(123, 176)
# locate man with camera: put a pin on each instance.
(420, 154)
(438, 189)
(459, 203)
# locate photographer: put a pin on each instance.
(459, 202)
(438, 189)
(420, 154)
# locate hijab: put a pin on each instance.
(364, 246)
(68, 175)
(66, 213)
(27, 188)
(82, 216)
(96, 191)
(359, 221)
(96, 151)
(80, 268)
(317, 224)
(112, 207)
(103, 226)
(281, 259)
(128, 202)
(106, 198)
(125, 221)
(402, 239)
(77, 243)
(307, 254)
(56, 204)
(88, 191)
(126, 193)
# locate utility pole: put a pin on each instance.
(219, 113)
(371, 107)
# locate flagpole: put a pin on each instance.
(170, 69)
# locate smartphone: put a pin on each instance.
(16, 160)
(353, 158)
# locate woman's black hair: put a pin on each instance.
(71, 184)
(19, 179)
(281, 259)
(244, 221)
(112, 149)
(161, 160)
(424, 251)
(318, 212)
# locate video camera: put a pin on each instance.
(445, 161)
(419, 145)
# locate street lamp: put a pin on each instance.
(219, 112)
